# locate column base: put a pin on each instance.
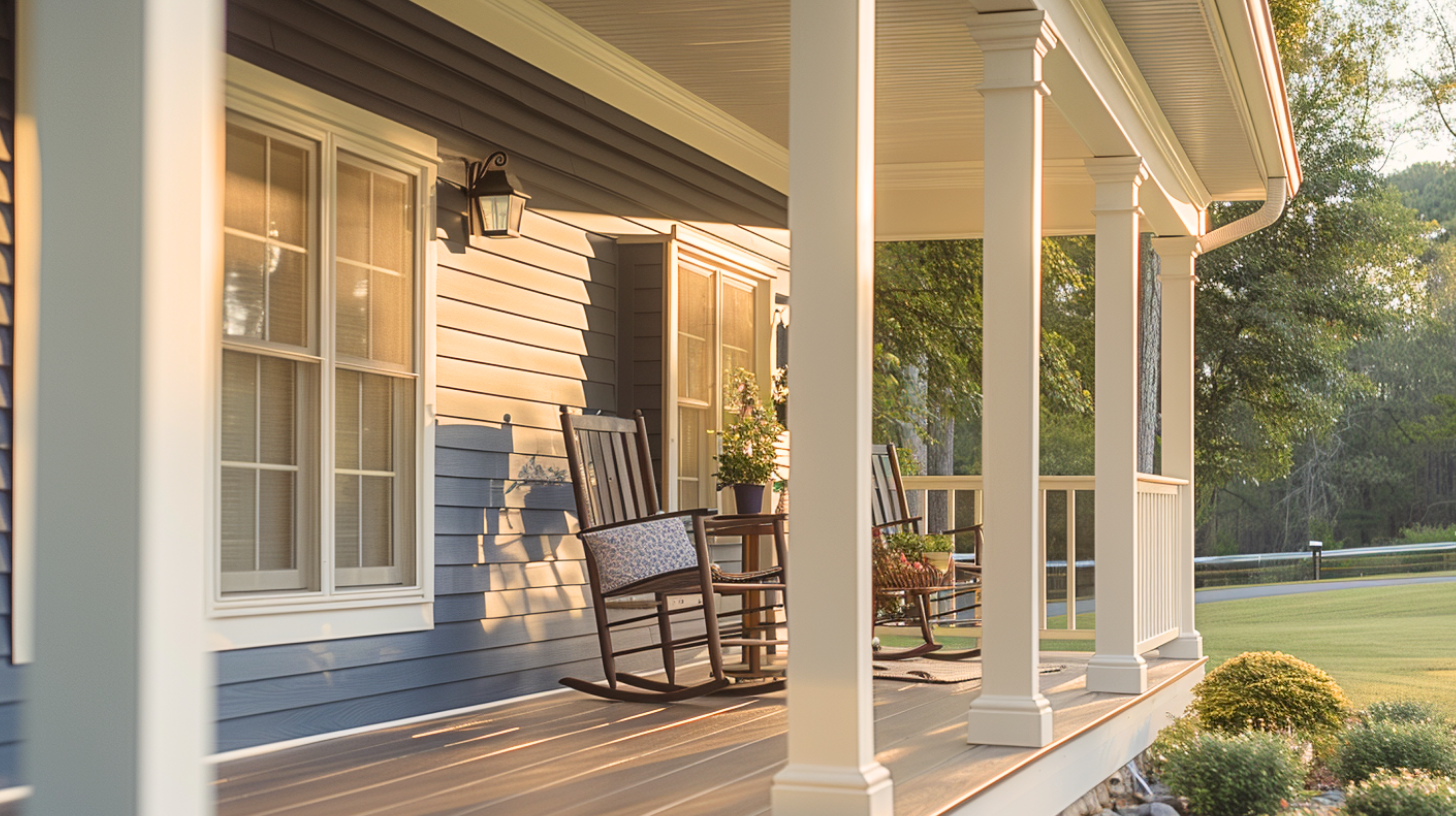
(1117, 674)
(825, 790)
(1186, 647)
(1021, 722)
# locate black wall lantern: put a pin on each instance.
(496, 199)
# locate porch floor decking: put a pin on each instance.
(573, 755)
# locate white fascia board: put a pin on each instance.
(548, 40)
(1097, 86)
(1244, 35)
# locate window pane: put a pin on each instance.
(692, 456)
(393, 224)
(351, 330)
(239, 519)
(353, 212)
(346, 419)
(346, 521)
(243, 287)
(278, 537)
(239, 406)
(243, 207)
(376, 547)
(288, 193)
(288, 305)
(278, 409)
(392, 325)
(377, 430)
(695, 378)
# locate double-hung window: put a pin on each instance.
(322, 445)
(720, 311)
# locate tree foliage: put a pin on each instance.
(1279, 311)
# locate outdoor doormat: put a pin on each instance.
(920, 670)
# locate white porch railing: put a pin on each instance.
(1157, 556)
(1157, 560)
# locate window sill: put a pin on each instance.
(243, 628)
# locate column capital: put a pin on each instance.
(1118, 179)
(1012, 45)
(1177, 246)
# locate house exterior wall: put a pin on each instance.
(523, 325)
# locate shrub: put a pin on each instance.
(1175, 737)
(1365, 749)
(1403, 793)
(1402, 711)
(1244, 775)
(1270, 691)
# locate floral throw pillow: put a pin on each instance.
(637, 551)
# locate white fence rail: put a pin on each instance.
(1157, 560)
(1157, 557)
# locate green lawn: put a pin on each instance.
(1378, 643)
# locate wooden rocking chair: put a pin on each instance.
(918, 605)
(634, 550)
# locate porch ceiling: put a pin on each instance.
(1179, 69)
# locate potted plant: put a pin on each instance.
(746, 453)
(931, 550)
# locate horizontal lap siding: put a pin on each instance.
(523, 326)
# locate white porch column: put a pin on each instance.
(127, 100)
(1117, 666)
(1179, 279)
(832, 768)
(1011, 709)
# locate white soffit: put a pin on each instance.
(1175, 51)
(715, 75)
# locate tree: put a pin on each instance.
(1279, 311)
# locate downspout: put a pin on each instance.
(1277, 197)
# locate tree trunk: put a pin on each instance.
(939, 461)
(912, 438)
(1150, 338)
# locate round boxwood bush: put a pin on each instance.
(1402, 793)
(1402, 711)
(1270, 691)
(1363, 750)
(1243, 775)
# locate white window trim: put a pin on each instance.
(241, 622)
(705, 251)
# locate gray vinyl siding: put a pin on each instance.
(9, 672)
(641, 348)
(523, 325)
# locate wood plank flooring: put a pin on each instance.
(569, 754)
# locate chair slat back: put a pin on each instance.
(611, 468)
(888, 504)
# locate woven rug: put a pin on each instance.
(921, 670)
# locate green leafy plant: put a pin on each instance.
(1175, 737)
(937, 543)
(746, 453)
(1402, 793)
(1401, 711)
(1270, 691)
(1248, 774)
(1367, 749)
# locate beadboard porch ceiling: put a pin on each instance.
(1188, 65)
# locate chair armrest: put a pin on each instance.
(897, 522)
(969, 529)
(702, 511)
(742, 523)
